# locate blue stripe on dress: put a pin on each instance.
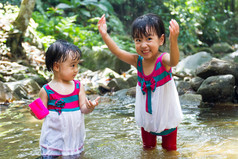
(47, 91)
(158, 77)
(158, 65)
(77, 85)
(139, 68)
(66, 100)
(161, 76)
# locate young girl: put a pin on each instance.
(157, 111)
(63, 130)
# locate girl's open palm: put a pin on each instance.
(91, 104)
(102, 26)
(174, 30)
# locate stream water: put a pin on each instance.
(206, 132)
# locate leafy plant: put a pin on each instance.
(85, 9)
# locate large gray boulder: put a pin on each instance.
(196, 83)
(233, 57)
(222, 48)
(217, 67)
(29, 85)
(190, 99)
(216, 89)
(118, 84)
(192, 62)
(132, 80)
(5, 92)
(100, 58)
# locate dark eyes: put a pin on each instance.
(75, 65)
(139, 40)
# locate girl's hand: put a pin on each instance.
(33, 114)
(91, 104)
(174, 31)
(102, 26)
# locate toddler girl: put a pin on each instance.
(63, 130)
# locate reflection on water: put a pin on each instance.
(112, 132)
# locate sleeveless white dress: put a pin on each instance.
(63, 130)
(157, 102)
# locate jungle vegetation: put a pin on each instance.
(202, 23)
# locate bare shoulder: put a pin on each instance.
(135, 59)
(165, 55)
(43, 96)
(81, 89)
(166, 61)
(43, 93)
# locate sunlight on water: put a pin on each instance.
(112, 132)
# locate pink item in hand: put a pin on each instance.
(39, 109)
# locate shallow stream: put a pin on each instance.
(208, 132)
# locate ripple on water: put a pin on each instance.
(112, 132)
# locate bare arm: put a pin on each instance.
(172, 59)
(86, 106)
(44, 98)
(121, 54)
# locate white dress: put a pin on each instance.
(63, 130)
(165, 110)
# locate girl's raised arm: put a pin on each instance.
(121, 54)
(172, 59)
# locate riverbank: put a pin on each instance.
(199, 77)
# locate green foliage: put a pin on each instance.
(202, 23)
(7, 14)
(114, 24)
(85, 9)
(63, 22)
(124, 42)
(11, 2)
(216, 23)
(187, 13)
(64, 28)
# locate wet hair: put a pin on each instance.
(144, 24)
(59, 51)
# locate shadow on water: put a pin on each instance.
(206, 132)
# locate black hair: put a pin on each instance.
(59, 52)
(146, 23)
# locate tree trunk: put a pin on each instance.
(19, 28)
(233, 6)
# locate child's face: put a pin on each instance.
(68, 69)
(148, 45)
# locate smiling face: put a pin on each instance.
(68, 69)
(148, 33)
(147, 45)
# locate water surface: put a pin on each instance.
(208, 132)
